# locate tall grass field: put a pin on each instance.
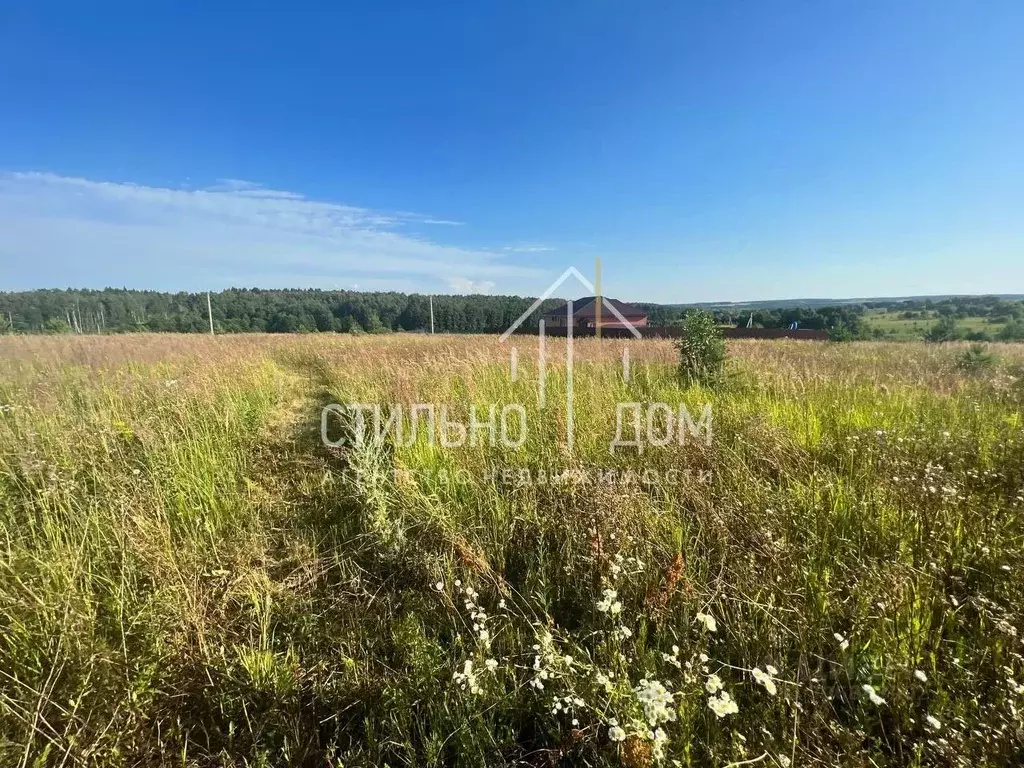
(830, 573)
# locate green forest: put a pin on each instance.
(248, 310)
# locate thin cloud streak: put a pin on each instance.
(58, 230)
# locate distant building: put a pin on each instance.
(584, 314)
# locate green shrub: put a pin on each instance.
(1013, 331)
(701, 349)
(944, 330)
(975, 358)
(842, 333)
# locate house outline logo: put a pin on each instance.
(542, 346)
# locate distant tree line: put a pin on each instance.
(848, 317)
(242, 310)
(245, 310)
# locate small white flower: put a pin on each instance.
(713, 684)
(920, 675)
(765, 680)
(933, 722)
(439, 586)
(609, 603)
(657, 702)
(659, 737)
(784, 761)
(615, 733)
(708, 621)
(843, 642)
(703, 658)
(491, 664)
(873, 695)
(458, 582)
(771, 670)
(723, 705)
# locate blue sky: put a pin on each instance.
(705, 151)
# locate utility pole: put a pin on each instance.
(209, 311)
(431, 315)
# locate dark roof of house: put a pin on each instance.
(587, 307)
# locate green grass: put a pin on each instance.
(894, 326)
(189, 578)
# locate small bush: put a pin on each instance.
(1013, 331)
(842, 333)
(701, 349)
(944, 330)
(975, 358)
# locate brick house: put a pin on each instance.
(584, 314)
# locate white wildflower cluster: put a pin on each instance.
(719, 701)
(723, 704)
(873, 695)
(544, 660)
(609, 603)
(766, 679)
(604, 679)
(477, 614)
(466, 679)
(568, 705)
(622, 632)
(658, 741)
(631, 565)
(673, 658)
(708, 621)
(657, 702)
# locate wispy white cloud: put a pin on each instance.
(528, 248)
(462, 285)
(58, 230)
